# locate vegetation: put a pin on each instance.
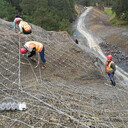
(116, 21)
(56, 14)
(119, 23)
(120, 7)
(7, 12)
(49, 14)
(119, 12)
(111, 13)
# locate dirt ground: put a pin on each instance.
(71, 92)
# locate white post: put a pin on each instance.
(20, 87)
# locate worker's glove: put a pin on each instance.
(29, 54)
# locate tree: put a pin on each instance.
(7, 11)
(120, 8)
(15, 3)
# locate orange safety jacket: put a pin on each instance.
(37, 45)
(25, 26)
(108, 68)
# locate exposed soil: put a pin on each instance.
(98, 22)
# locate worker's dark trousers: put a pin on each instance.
(111, 76)
(42, 55)
(26, 32)
(76, 41)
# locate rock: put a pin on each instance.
(88, 123)
(68, 119)
(53, 119)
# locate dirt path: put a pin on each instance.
(94, 41)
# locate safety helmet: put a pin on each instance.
(75, 38)
(18, 20)
(23, 50)
(109, 57)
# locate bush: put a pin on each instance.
(124, 16)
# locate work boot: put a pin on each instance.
(44, 66)
(113, 83)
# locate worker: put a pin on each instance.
(23, 26)
(110, 69)
(33, 47)
(17, 18)
(76, 40)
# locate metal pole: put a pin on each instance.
(20, 87)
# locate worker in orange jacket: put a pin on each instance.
(110, 69)
(23, 26)
(33, 47)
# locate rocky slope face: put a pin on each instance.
(79, 9)
(71, 92)
(98, 22)
(115, 39)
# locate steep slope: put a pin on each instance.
(70, 92)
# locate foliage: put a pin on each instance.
(120, 7)
(56, 14)
(95, 2)
(111, 13)
(119, 23)
(49, 14)
(116, 21)
(6, 10)
(15, 3)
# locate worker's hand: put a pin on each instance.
(19, 32)
(33, 59)
(25, 55)
(29, 54)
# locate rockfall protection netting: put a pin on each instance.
(69, 93)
